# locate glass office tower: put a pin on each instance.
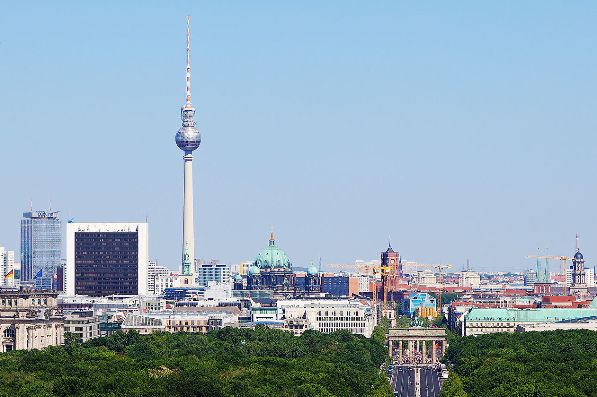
(41, 243)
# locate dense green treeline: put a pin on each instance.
(529, 364)
(228, 362)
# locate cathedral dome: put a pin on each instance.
(272, 257)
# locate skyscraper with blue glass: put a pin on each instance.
(41, 246)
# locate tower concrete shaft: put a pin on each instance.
(188, 229)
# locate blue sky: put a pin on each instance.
(461, 130)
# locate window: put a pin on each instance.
(10, 333)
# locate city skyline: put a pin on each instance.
(457, 147)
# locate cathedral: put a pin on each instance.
(271, 269)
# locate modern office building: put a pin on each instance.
(188, 139)
(206, 272)
(41, 244)
(7, 268)
(336, 285)
(106, 259)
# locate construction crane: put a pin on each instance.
(385, 272)
(562, 260)
(439, 293)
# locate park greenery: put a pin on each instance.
(529, 364)
(228, 362)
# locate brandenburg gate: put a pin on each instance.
(416, 345)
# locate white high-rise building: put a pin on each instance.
(155, 271)
(7, 268)
(106, 259)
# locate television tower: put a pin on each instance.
(188, 139)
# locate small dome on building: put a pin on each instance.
(578, 255)
(238, 278)
(312, 271)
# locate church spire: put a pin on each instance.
(272, 238)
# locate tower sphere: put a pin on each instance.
(188, 137)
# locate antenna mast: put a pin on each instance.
(188, 100)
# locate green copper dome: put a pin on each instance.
(253, 270)
(272, 257)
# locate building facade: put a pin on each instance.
(84, 325)
(470, 279)
(154, 272)
(417, 301)
(327, 316)
(29, 320)
(7, 268)
(106, 259)
(206, 272)
(479, 321)
(41, 245)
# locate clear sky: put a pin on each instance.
(460, 129)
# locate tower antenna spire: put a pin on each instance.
(188, 99)
(577, 243)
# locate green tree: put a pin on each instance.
(453, 387)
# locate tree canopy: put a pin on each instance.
(227, 362)
(529, 364)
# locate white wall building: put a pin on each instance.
(7, 265)
(589, 277)
(163, 282)
(153, 272)
(106, 259)
(426, 277)
(469, 279)
(82, 324)
(364, 282)
(330, 315)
